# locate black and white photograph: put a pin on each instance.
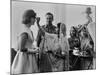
(52, 37)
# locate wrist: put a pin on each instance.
(24, 50)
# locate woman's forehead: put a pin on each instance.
(72, 29)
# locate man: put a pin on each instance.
(45, 64)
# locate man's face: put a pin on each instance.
(49, 18)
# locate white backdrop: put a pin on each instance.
(5, 37)
(71, 15)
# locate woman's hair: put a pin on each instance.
(58, 26)
(28, 14)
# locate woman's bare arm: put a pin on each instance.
(22, 41)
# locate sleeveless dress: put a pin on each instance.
(25, 62)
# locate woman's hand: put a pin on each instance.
(33, 50)
(37, 20)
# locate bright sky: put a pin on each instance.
(65, 13)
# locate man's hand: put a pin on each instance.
(38, 20)
(41, 29)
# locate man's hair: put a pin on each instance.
(49, 13)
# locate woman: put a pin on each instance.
(63, 42)
(87, 49)
(25, 61)
(87, 44)
(74, 43)
(57, 48)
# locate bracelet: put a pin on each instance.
(24, 50)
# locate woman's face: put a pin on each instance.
(84, 33)
(62, 28)
(32, 21)
(72, 32)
